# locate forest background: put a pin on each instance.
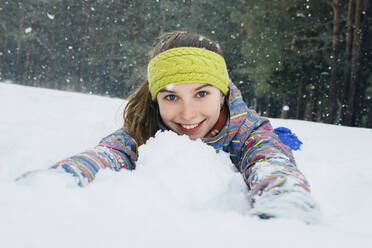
(308, 59)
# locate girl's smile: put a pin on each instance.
(190, 108)
(190, 128)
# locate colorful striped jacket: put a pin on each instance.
(254, 149)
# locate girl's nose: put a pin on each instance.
(188, 112)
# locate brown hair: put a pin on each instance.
(141, 115)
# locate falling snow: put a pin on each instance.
(169, 86)
(51, 17)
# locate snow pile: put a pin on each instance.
(182, 193)
(190, 174)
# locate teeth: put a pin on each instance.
(189, 126)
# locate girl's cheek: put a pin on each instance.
(167, 112)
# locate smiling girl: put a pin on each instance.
(192, 109)
(189, 92)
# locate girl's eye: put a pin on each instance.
(202, 93)
(170, 97)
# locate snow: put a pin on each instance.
(169, 86)
(28, 30)
(50, 16)
(182, 193)
(285, 108)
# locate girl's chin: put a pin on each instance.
(192, 136)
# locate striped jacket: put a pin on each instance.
(254, 149)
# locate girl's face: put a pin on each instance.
(191, 108)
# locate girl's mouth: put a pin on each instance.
(190, 128)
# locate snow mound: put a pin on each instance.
(191, 174)
(182, 194)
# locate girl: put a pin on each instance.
(188, 91)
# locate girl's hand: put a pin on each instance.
(48, 176)
(285, 200)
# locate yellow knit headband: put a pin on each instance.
(187, 65)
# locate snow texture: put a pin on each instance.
(182, 193)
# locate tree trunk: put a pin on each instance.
(347, 69)
(164, 19)
(355, 64)
(332, 107)
(53, 50)
(300, 102)
(19, 46)
(28, 63)
(134, 21)
(62, 43)
(83, 58)
(95, 54)
(309, 111)
(310, 105)
(263, 105)
(285, 110)
(114, 40)
(364, 67)
(269, 105)
(369, 118)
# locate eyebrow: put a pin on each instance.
(170, 91)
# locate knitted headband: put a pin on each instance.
(187, 65)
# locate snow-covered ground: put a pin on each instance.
(182, 193)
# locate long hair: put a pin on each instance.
(141, 114)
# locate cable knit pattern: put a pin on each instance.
(187, 64)
(254, 148)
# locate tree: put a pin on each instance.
(332, 107)
(281, 41)
(356, 35)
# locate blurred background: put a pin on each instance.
(308, 59)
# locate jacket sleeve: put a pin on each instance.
(266, 163)
(116, 151)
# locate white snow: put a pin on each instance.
(169, 86)
(28, 30)
(50, 16)
(285, 108)
(182, 193)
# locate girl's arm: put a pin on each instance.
(269, 169)
(116, 151)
